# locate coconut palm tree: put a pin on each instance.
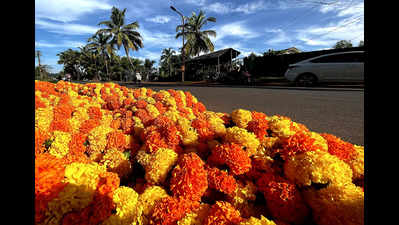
(197, 40)
(121, 33)
(166, 58)
(101, 43)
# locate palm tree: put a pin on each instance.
(122, 34)
(197, 40)
(166, 58)
(38, 54)
(101, 43)
(148, 65)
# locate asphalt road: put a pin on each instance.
(338, 112)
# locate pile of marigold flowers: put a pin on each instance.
(107, 154)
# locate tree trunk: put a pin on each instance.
(128, 58)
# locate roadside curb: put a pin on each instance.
(254, 86)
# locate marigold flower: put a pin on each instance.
(189, 177)
(149, 198)
(241, 117)
(317, 167)
(336, 204)
(255, 221)
(157, 165)
(196, 217)
(282, 199)
(117, 162)
(223, 213)
(243, 137)
(169, 210)
(233, 156)
(221, 180)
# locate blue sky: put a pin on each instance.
(246, 25)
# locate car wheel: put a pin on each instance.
(306, 80)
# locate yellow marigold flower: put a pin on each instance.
(280, 126)
(143, 91)
(43, 118)
(317, 167)
(194, 99)
(243, 193)
(117, 162)
(190, 113)
(170, 101)
(242, 137)
(126, 200)
(319, 140)
(241, 117)
(335, 204)
(158, 164)
(138, 126)
(357, 163)
(189, 134)
(82, 182)
(216, 123)
(183, 97)
(172, 114)
(255, 221)
(150, 197)
(152, 110)
(197, 217)
(98, 138)
(59, 147)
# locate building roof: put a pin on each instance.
(223, 55)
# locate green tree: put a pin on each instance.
(148, 67)
(197, 39)
(343, 44)
(361, 43)
(101, 43)
(166, 60)
(121, 33)
(71, 59)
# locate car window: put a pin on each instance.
(340, 58)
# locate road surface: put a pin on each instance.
(338, 112)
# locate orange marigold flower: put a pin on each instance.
(336, 146)
(189, 178)
(233, 155)
(40, 138)
(283, 199)
(223, 213)
(141, 104)
(49, 173)
(221, 180)
(94, 113)
(88, 125)
(169, 210)
(60, 125)
(116, 139)
(298, 143)
(203, 128)
(39, 103)
(112, 102)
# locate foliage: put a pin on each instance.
(343, 44)
(197, 39)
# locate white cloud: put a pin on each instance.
(237, 29)
(68, 10)
(66, 44)
(164, 40)
(249, 8)
(196, 2)
(217, 7)
(66, 28)
(159, 19)
(281, 37)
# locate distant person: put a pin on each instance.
(138, 77)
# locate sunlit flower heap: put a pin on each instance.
(107, 154)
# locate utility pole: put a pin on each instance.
(182, 50)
